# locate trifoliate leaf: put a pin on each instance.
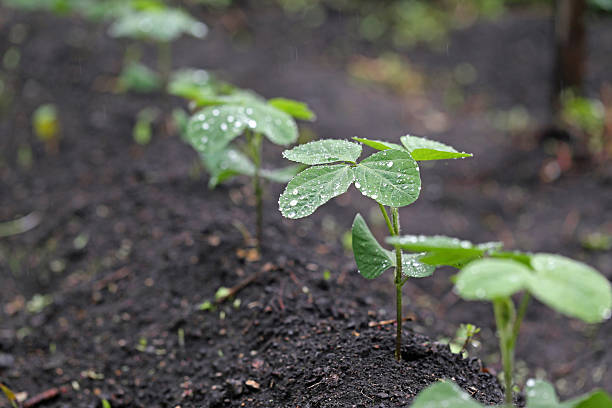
(378, 144)
(313, 187)
(571, 287)
(324, 152)
(444, 394)
(371, 258)
(390, 177)
(425, 149)
(298, 110)
(490, 279)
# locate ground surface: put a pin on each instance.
(158, 242)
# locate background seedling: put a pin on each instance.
(143, 131)
(567, 286)
(154, 22)
(225, 117)
(46, 125)
(390, 177)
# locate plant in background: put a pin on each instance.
(142, 130)
(226, 117)
(46, 125)
(567, 286)
(390, 177)
(154, 22)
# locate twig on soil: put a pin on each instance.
(387, 322)
(112, 277)
(244, 283)
(44, 396)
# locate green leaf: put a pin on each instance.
(371, 258)
(324, 152)
(390, 177)
(541, 394)
(298, 110)
(442, 250)
(594, 399)
(444, 394)
(314, 187)
(413, 267)
(212, 128)
(157, 24)
(378, 144)
(192, 84)
(226, 164)
(138, 77)
(489, 279)
(282, 175)
(571, 287)
(425, 149)
(9, 394)
(522, 257)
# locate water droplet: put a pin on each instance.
(215, 112)
(480, 293)
(291, 214)
(390, 164)
(205, 126)
(252, 124)
(530, 382)
(230, 118)
(295, 191)
(249, 111)
(223, 126)
(357, 185)
(293, 203)
(237, 124)
(374, 196)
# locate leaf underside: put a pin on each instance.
(371, 258)
(298, 110)
(490, 279)
(424, 149)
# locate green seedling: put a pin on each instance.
(10, 395)
(139, 78)
(390, 177)
(143, 131)
(46, 125)
(154, 22)
(540, 394)
(567, 286)
(463, 338)
(211, 130)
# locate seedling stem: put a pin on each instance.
(505, 319)
(255, 148)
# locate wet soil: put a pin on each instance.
(125, 322)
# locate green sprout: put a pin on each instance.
(154, 22)
(142, 130)
(224, 118)
(567, 286)
(390, 177)
(46, 125)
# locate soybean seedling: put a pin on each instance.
(226, 117)
(567, 286)
(154, 22)
(46, 125)
(390, 177)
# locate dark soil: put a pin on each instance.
(159, 242)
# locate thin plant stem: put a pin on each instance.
(256, 151)
(387, 220)
(519, 317)
(398, 286)
(504, 325)
(164, 61)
